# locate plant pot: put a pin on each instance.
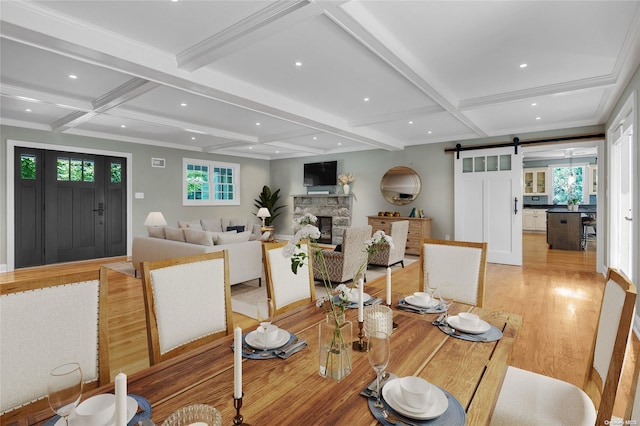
(335, 343)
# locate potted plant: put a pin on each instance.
(269, 199)
(572, 203)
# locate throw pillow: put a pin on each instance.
(175, 234)
(230, 238)
(211, 224)
(234, 221)
(189, 224)
(155, 231)
(238, 228)
(194, 236)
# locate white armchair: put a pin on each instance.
(343, 265)
(388, 256)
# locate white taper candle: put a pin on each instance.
(388, 286)
(121, 399)
(360, 300)
(237, 363)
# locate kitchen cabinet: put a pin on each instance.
(535, 181)
(419, 228)
(593, 179)
(564, 229)
(534, 220)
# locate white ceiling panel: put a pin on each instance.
(450, 67)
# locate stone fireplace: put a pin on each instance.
(335, 208)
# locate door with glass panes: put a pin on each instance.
(68, 206)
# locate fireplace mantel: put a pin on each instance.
(336, 206)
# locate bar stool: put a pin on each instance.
(588, 221)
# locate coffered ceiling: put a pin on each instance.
(280, 79)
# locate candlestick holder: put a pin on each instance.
(360, 345)
(394, 324)
(238, 419)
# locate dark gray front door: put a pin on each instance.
(82, 205)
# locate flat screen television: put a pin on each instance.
(318, 174)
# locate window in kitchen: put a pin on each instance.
(568, 184)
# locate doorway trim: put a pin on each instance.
(11, 144)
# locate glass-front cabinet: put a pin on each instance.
(593, 179)
(535, 181)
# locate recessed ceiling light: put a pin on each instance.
(534, 104)
(523, 65)
(193, 138)
(183, 104)
(250, 147)
(366, 99)
(123, 126)
(429, 132)
(315, 138)
(339, 143)
(538, 118)
(28, 110)
(411, 122)
(258, 123)
(277, 152)
(298, 64)
(73, 76)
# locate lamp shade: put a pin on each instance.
(263, 212)
(155, 219)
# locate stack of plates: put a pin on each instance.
(393, 396)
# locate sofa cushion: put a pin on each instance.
(155, 231)
(238, 228)
(195, 236)
(230, 238)
(194, 224)
(175, 234)
(214, 235)
(213, 224)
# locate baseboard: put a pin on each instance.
(3, 268)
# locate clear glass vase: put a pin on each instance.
(335, 344)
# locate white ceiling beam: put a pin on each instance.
(72, 120)
(12, 90)
(260, 25)
(396, 116)
(124, 93)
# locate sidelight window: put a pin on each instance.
(28, 166)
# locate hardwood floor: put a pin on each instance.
(557, 292)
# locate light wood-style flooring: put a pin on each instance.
(557, 292)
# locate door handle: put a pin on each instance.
(100, 209)
(515, 206)
(629, 219)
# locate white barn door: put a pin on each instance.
(488, 201)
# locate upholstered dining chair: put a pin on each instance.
(461, 265)
(528, 398)
(388, 256)
(46, 322)
(286, 289)
(341, 266)
(187, 303)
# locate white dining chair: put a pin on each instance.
(286, 289)
(187, 303)
(458, 267)
(46, 322)
(528, 398)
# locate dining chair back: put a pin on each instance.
(529, 398)
(461, 265)
(389, 255)
(187, 303)
(287, 289)
(48, 322)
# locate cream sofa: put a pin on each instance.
(205, 236)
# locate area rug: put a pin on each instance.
(244, 296)
(122, 267)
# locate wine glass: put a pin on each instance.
(266, 311)
(379, 352)
(445, 294)
(64, 389)
(432, 286)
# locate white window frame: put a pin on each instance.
(235, 193)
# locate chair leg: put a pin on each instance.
(402, 263)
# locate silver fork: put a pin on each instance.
(395, 420)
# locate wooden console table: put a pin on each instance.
(419, 228)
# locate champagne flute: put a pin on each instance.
(266, 311)
(64, 389)
(379, 352)
(445, 294)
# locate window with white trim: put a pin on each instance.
(209, 183)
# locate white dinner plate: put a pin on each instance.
(254, 339)
(353, 297)
(482, 326)
(431, 303)
(132, 408)
(393, 395)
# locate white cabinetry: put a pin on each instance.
(535, 181)
(534, 220)
(593, 179)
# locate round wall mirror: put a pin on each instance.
(400, 185)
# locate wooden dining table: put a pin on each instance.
(291, 392)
